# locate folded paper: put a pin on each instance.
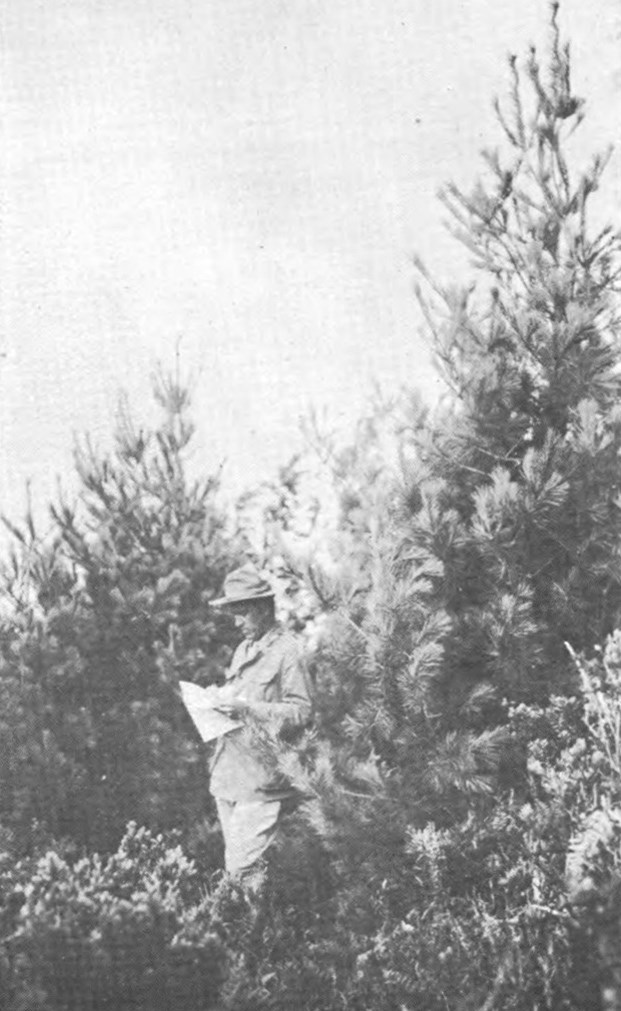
(200, 704)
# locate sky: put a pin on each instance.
(246, 181)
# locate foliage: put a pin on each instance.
(578, 769)
(443, 669)
(499, 537)
(108, 614)
(519, 502)
(457, 838)
(514, 907)
(128, 931)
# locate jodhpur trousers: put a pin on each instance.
(248, 827)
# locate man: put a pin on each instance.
(266, 689)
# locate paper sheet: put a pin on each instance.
(200, 703)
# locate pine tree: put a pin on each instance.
(498, 541)
(501, 539)
(115, 612)
(523, 460)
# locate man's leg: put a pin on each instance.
(225, 810)
(251, 830)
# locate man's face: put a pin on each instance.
(251, 618)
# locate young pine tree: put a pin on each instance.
(523, 461)
(116, 612)
(504, 539)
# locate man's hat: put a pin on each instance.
(243, 584)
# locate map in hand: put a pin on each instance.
(200, 704)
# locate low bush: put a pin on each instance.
(130, 931)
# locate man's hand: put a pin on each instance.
(237, 709)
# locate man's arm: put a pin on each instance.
(295, 706)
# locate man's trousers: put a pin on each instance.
(248, 827)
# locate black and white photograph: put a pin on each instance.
(310, 505)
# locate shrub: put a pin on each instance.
(128, 931)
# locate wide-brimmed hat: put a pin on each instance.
(243, 584)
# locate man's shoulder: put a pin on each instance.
(285, 642)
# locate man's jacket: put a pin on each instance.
(270, 675)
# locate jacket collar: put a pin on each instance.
(250, 650)
(256, 647)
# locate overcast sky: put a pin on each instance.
(249, 178)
